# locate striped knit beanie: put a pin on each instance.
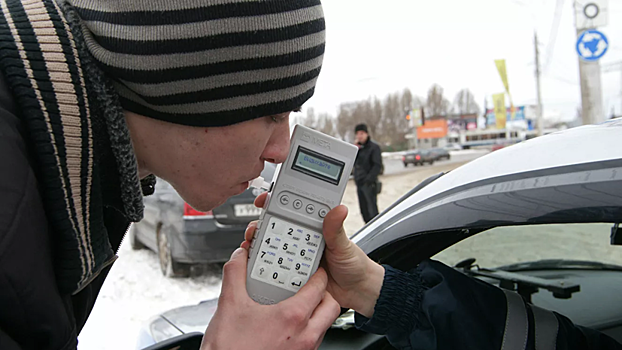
(207, 62)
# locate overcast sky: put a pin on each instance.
(381, 46)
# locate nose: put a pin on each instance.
(278, 145)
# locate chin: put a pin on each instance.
(206, 203)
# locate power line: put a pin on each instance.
(550, 46)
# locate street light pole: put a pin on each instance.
(538, 91)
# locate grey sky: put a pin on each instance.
(377, 47)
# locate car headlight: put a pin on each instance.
(155, 331)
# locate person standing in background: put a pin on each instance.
(366, 170)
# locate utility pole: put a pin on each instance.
(539, 111)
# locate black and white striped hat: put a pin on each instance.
(207, 62)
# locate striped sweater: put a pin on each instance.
(77, 132)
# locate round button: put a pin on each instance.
(310, 209)
(322, 212)
(295, 282)
(262, 271)
(297, 204)
(284, 199)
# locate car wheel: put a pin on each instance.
(168, 266)
(405, 165)
(431, 162)
(134, 242)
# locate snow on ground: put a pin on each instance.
(136, 290)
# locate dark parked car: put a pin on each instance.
(418, 157)
(540, 218)
(440, 154)
(182, 236)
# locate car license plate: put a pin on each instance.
(242, 210)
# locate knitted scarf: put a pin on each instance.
(74, 120)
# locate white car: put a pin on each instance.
(540, 217)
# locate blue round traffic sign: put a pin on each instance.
(592, 45)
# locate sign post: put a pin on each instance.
(591, 46)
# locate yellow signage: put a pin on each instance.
(503, 73)
(500, 110)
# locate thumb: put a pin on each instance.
(334, 233)
(234, 274)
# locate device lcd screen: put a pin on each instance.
(318, 165)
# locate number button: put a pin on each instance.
(297, 234)
(313, 239)
(284, 262)
(307, 254)
(275, 226)
(303, 270)
(279, 277)
(267, 257)
(289, 232)
(297, 204)
(272, 242)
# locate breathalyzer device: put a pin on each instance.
(288, 243)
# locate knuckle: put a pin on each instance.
(228, 268)
(295, 316)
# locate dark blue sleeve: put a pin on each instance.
(437, 307)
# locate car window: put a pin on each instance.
(517, 244)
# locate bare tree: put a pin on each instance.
(323, 122)
(437, 104)
(464, 103)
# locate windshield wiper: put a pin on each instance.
(560, 264)
(524, 285)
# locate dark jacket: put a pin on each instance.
(68, 181)
(437, 307)
(368, 163)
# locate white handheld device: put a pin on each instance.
(288, 243)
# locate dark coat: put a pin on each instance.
(35, 314)
(436, 307)
(368, 163)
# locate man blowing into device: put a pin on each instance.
(98, 96)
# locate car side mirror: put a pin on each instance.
(188, 341)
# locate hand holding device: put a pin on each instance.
(354, 280)
(288, 242)
(298, 323)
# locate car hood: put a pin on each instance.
(192, 318)
(570, 176)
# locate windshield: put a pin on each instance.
(502, 246)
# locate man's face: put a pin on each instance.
(361, 136)
(208, 165)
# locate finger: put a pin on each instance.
(334, 233)
(311, 294)
(234, 275)
(324, 315)
(261, 200)
(250, 231)
(245, 245)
